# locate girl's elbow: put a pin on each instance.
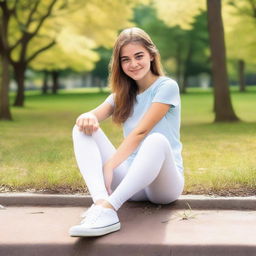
(141, 133)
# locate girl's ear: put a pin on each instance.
(151, 58)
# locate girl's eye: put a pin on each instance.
(139, 57)
(124, 60)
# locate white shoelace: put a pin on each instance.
(84, 214)
(92, 216)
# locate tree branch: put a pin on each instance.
(41, 50)
(4, 27)
(14, 12)
(253, 5)
(32, 11)
(15, 5)
(26, 34)
(44, 17)
(14, 8)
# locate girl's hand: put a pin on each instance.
(108, 177)
(88, 123)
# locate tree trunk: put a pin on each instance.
(185, 84)
(19, 74)
(241, 79)
(5, 113)
(45, 83)
(55, 82)
(186, 66)
(223, 106)
(179, 65)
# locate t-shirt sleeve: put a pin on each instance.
(168, 93)
(110, 100)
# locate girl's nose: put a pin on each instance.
(133, 63)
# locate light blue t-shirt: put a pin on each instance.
(163, 90)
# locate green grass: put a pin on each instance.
(36, 150)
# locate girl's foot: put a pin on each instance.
(105, 204)
(101, 202)
(84, 214)
(99, 221)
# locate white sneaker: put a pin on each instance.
(83, 215)
(99, 221)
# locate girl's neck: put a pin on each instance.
(144, 83)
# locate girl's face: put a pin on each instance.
(135, 61)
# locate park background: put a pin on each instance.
(54, 57)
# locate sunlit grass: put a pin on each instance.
(36, 149)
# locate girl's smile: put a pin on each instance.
(136, 62)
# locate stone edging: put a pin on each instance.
(194, 201)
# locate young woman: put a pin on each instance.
(148, 163)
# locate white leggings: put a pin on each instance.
(152, 176)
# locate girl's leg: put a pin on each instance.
(91, 153)
(154, 170)
(169, 183)
(107, 149)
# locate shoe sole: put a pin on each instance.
(83, 232)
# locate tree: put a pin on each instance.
(5, 113)
(45, 82)
(101, 70)
(183, 52)
(61, 57)
(28, 23)
(240, 19)
(196, 59)
(179, 12)
(28, 27)
(222, 102)
(170, 12)
(82, 35)
(36, 24)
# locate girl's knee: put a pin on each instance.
(77, 133)
(166, 198)
(156, 139)
(163, 201)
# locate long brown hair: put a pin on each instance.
(124, 87)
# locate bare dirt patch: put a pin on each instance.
(241, 191)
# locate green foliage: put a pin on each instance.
(240, 23)
(77, 27)
(101, 68)
(172, 40)
(179, 12)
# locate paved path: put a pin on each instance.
(146, 229)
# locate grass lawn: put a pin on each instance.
(36, 151)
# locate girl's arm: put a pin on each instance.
(103, 111)
(89, 121)
(155, 113)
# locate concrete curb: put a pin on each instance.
(194, 201)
